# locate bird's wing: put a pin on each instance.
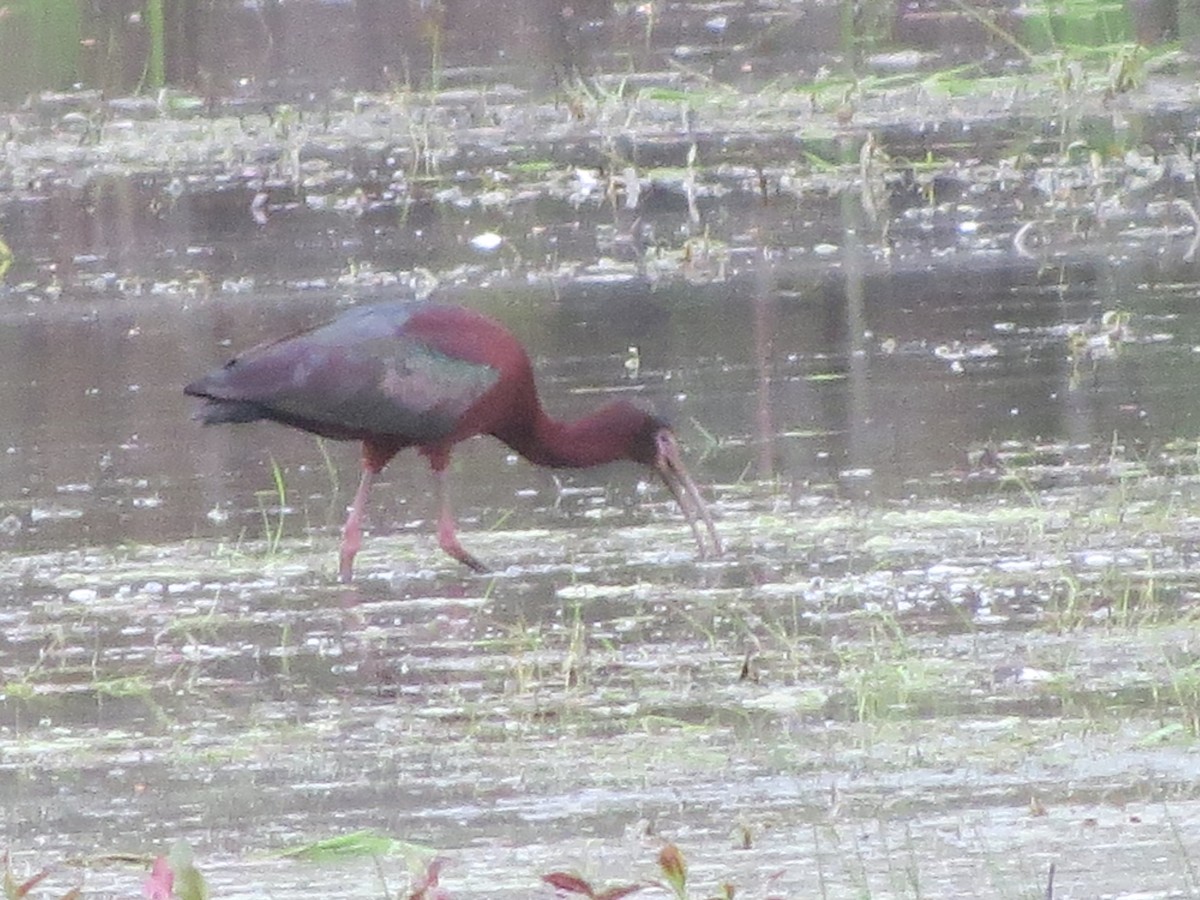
(347, 381)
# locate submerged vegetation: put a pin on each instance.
(981, 681)
(836, 648)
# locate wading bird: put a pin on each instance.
(396, 375)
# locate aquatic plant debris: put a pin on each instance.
(928, 328)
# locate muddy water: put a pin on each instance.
(951, 446)
(950, 644)
(765, 377)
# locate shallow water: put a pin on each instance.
(762, 381)
(951, 446)
(905, 647)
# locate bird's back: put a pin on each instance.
(405, 373)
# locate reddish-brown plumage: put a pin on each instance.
(396, 375)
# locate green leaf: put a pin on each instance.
(355, 844)
(1159, 735)
(674, 869)
(189, 883)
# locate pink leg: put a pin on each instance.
(447, 530)
(352, 531)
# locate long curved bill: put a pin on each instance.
(675, 475)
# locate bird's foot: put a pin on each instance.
(447, 535)
(467, 559)
(476, 565)
(346, 568)
(449, 543)
(351, 542)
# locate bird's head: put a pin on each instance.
(652, 442)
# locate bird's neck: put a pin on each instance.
(576, 444)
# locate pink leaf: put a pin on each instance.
(573, 884)
(616, 893)
(23, 890)
(160, 884)
(425, 887)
